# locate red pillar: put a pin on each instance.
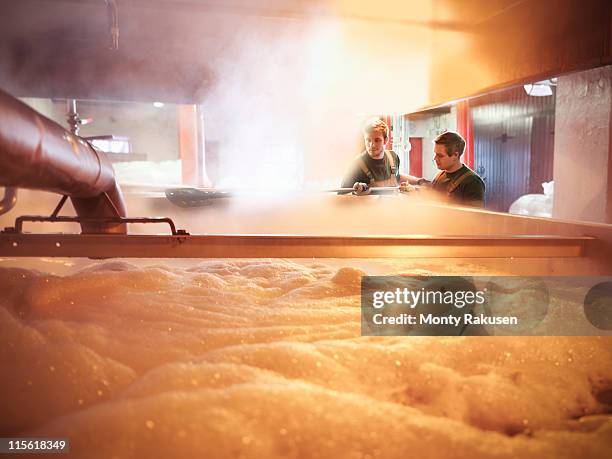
(188, 144)
(389, 120)
(465, 127)
(416, 156)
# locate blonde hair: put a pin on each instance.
(376, 125)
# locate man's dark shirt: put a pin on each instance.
(470, 190)
(380, 169)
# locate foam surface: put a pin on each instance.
(265, 359)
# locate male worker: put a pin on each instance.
(455, 180)
(375, 167)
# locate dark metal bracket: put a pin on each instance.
(54, 218)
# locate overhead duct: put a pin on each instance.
(37, 153)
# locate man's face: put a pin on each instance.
(444, 161)
(374, 143)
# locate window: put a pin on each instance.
(115, 144)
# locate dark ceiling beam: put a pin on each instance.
(306, 11)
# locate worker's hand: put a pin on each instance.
(405, 187)
(360, 188)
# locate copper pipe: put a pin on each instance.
(37, 153)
